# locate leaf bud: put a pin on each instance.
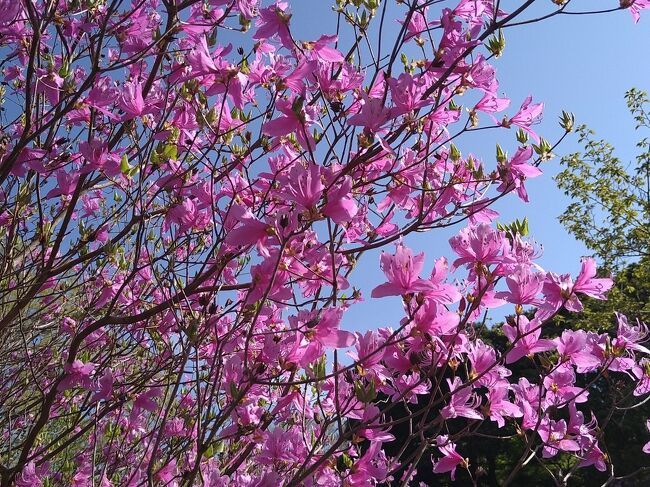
(454, 153)
(543, 149)
(567, 121)
(502, 156)
(497, 44)
(522, 136)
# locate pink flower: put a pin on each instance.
(526, 116)
(295, 119)
(373, 114)
(83, 475)
(478, 244)
(9, 11)
(104, 481)
(593, 455)
(408, 387)
(327, 332)
(554, 436)
(30, 159)
(402, 271)
(572, 346)
(527, 396)
(436, 322)
(439, 291)
(517, 170)
(304, 186)
(463, 403)
(490, 103)
(499, 407)
(406, 93)
(324, 52)
(274, 20)
(485, 366)
(373, 431)
(77, 374)
(248, 8)
(473, 10)
(186, 216)
(103, 93)
(642, 373)
(250, 231)
(5, 218)
(131, 101)
(109, 289)
(635, 6)
(318, 331)
(629, 337)
(98, 157)
(200, 59)
(283, 446)
(49, 83)
(341, 207)
(560, 290)
(525, 337)
(585, 435)
(104, 388)
(369, 349)
(29, 476)
(370, 469)
(168, 472)
(299, 78)
(146, 399)
(451, 458)
(91, 203)
(586, 284)
(560, 386)
(523, 287)
(417, 24)
(66, 185)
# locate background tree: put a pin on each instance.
(610, 212)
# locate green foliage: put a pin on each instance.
(610, 209)
(517, 227)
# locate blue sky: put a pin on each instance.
(583, 64)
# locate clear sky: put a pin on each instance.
(582, 64)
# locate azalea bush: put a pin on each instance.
(186, 190)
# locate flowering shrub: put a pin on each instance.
(186, 188)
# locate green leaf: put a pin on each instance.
(124, 165)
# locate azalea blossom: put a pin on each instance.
(402, 270)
